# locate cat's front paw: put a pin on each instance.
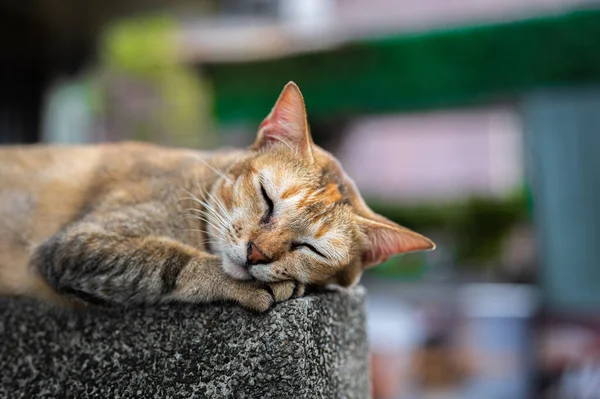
(260, 298)
(284, 290)
(256, 298)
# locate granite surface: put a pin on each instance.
(312, 347)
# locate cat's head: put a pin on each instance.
(289, 212)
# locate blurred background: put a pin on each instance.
(475, 122)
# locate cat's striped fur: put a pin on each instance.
(135, 223)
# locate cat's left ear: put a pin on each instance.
(384, 238)
(286, 123)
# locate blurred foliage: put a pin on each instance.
(476, 228)
(409, 267)
(143, 51)
(142, 46)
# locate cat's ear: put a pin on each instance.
(384, 238)
(286, 123)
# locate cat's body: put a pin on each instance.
(135, 223)
(135, 188)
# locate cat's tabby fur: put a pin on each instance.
(136, 223)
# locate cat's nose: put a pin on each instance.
(255, 255)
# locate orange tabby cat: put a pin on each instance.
(135, 223)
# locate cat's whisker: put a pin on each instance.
(217, 218)
(206, 193)
(188, 199)
(207, 215)
(206, 221)
(209, 241)
(224, 217)
(210, 235)
(221, 228)
(191, 196)
(205, 241)
(212, 238)
(221, 206)
(185, 214)
(213, 212)
(203, 218)
(203, 203)
(217, 171)
(204, 231)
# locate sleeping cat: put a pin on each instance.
(131, 223)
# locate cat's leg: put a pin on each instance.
(102, 267)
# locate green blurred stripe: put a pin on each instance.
(413, 72)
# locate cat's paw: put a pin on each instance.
(284, 290)
(260, 298)
(300, 289)
(256, 298)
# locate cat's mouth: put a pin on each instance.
(234, 269)
(241, 270)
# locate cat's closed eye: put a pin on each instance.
(298, 245)
(270, 205)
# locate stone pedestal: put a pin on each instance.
(312, 347)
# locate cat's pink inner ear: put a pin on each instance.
(385, 239)
(286, 123)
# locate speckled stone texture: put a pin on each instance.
(312, 347)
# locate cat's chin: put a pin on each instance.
(235, 270)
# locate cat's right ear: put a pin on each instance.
(286, 123)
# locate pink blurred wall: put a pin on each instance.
(435, 156)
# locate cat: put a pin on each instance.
(132, 223)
